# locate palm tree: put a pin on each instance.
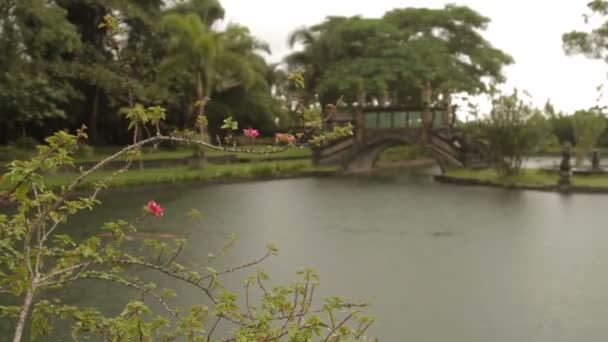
(215, 59)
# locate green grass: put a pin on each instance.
(185, 153)
(403, 153)
(532, 177)
(591, 181)
(525, 177)
(10, 153)
(210, 173)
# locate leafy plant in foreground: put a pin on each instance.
(37, 257)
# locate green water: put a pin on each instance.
(437, 262)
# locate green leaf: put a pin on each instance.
(212, 271)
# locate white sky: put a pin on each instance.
(529, 30)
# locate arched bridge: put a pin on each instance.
(377, 129)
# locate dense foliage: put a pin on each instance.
(588, 126)
(513, 130)
(57, 70)
(397, 58)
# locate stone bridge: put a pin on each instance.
(377, 129)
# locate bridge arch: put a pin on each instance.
(365, 157)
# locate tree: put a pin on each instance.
(34, 37)
(513, 129)
(210, 59)
(97, 76)
(408, 56)
(54, 52)
(448, 51)
(593, 43)
(588, 126)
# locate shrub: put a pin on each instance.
(588, 127)
(84, 151)
(26, 143)
(513, 130)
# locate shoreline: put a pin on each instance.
(183, 184)
(217, 181)
(571, 189)
(264, 178)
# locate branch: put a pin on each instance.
(177, 253)
(240, 267)
(12, 190)
(126, 283)
(171, 274)
(65, 270)
(339, 326)
(219, 318)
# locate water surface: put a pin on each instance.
(437, 262)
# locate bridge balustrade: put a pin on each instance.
(398, 119)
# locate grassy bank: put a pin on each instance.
(8, 153)
(211, 173)
(530, 177)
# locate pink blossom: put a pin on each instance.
(286, 138)
(251, 132)
(155, 209)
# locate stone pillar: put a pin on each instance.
(565, 168)
(595, 161)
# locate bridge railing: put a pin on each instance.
(399, 119)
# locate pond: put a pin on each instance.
(436, 262)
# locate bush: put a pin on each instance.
(588, 127)
(513, 130)
(26, 143)
(84, 151)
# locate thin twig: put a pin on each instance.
(240, 267)
(171, 274)
(219, 318)
(339, 326)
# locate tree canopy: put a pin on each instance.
(60, 71)
(396, 57)
(594, 42)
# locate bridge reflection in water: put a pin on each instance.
(376, 129)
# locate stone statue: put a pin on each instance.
(565, 167)
(595, 160)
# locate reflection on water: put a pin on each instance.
(437, 262)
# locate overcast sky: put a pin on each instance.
(529, 30)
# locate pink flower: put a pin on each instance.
(251, 132)
(286, 138)
(155, 209)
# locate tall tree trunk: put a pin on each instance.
(93, 137)
(359, 119)
(200, 92)
(447, 113)
(198, 160)
(202, 103)
(25, 310)
(427, 95)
